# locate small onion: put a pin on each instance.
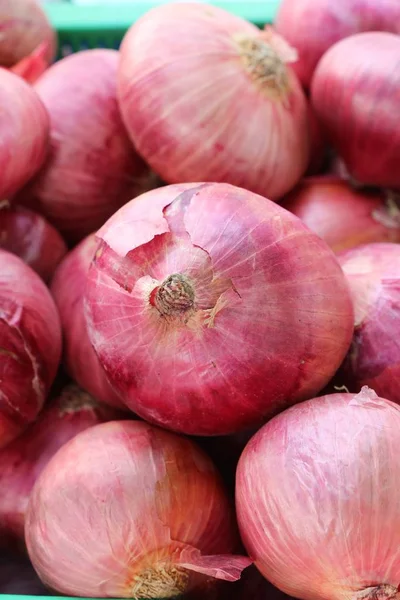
(30, 345)
(126, 510)
(342, 216)
(32, 238)
(373, 273)
(211, 308)
(317, 498)
(68, 287)
(355, 93)
(24, 127)
(313, 26)
(207, 96)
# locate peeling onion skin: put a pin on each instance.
(344, 217)
(24, 126)
(194, 110)
(355, 93)
(30, 345)
(253, 340)
(68, 287)
(373, 273)
(123, 506)
(32, 238)
(92, 168)
(317, 501)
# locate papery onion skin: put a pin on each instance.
(263, 320)
(68, 288)
(355, 93)
(373, 273)
(22, 461)
(129, 510)
(24, 126)
(313, 26)
(317, 500)
(93, 168)
(32, 238)
(205, 96)
(30, 345)
(344, 217)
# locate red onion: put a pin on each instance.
(342, 216)
(128, 510)
(211, 308)
(206, 96)
(24, 127)
(93, 168)
(373, 273)
(317, 500)
(32, 238)
(18, 577)
(68, 287)
(313, 26)
(355, 93)
(30, 345)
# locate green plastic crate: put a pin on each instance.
(104, 26)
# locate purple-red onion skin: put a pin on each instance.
(30, 343)
(194, 111)
(313, 26)
(271, 321)
(28, 235)
(373, 273)
(355, 93)
(317, 500)
(24, 126)
(92, 168)
(68, 288)
(122, 501)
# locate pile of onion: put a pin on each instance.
(317, 498)
(355, 93)
(24, 127)
(128, 510)
(92, 169)
(68, 288)
(30, 345)
(373, 273)
(342, 216)
(313, 26)
(211, 308)
(207, 96)
(32, 238)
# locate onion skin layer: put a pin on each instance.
(129, 510)
(30, 345)
(355, 93)
(317, 500)
(270, 323)
(196, 111)
(68, 288)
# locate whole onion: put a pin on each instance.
(210, 308)
(355, 93)
(32, 238)
(313, 26)
(24, 127)
(373, 273)
(68, 288)
(30, 345)
(342, 216)
(317, 500)
(207, 96)
(92, 169)
(128, 510)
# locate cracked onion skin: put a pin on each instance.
(317, 498)
(30, 345)
(211, 308)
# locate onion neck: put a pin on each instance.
(379, 592)
(175, 297)
(160, 581)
